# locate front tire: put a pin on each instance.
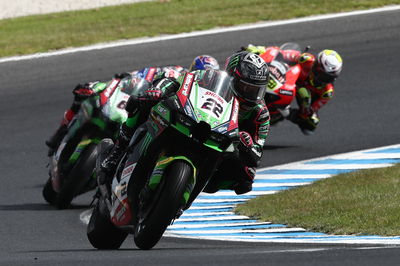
(101, 232)
(174, 183)
(78, 177)
(48, 192)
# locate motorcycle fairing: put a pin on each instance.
(114, 108)
(185, 88)
(105, 94)
(120, 212)
(282, 83)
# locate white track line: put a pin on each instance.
(198, 33)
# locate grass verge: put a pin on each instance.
(365, 202)
(42, 33)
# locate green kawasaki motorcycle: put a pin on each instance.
(71, 167)
(169, 161)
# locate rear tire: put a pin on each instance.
(101, 232)
(78, 177)
(169, 200)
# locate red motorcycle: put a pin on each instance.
(281, 89)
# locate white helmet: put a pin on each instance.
(328, 66)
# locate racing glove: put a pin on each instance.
(82, 92)
(245, 139)
(246, 149)
(255, 49)
(154, 93)
(245, 185)
(304, 57)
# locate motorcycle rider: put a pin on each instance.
(202, 62)
(250, 76)
(83, 91)
(315, 84)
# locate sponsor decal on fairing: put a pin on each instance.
(234, 116)
(120, 212)
(128, 171)
(162, 110)
(286, 92)
(184, 91)
(108, 91)
(210, 103)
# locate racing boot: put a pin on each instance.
(109, 165)
(54, 141)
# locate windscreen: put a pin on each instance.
(218, 82)
(134, 86)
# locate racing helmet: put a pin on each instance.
(326, 68)
(250, 76)
(202, 62)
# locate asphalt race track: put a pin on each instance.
(34, 93)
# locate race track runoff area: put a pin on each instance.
(211, 215)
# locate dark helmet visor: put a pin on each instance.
(248, 91)
(321, 78)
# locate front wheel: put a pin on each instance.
(155, 218)
(101, 232)
(48, 192)
(78, 177)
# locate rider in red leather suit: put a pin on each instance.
(314, 85)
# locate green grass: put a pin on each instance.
(42, 33)
(358, 203)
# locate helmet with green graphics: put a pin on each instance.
(326, 68)
(250, 76)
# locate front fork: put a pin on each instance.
(59, 169)
(80, 148)
(158, 173)
(121, 211)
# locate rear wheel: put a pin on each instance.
(101, 232)
(154, 219)
(78, 177)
